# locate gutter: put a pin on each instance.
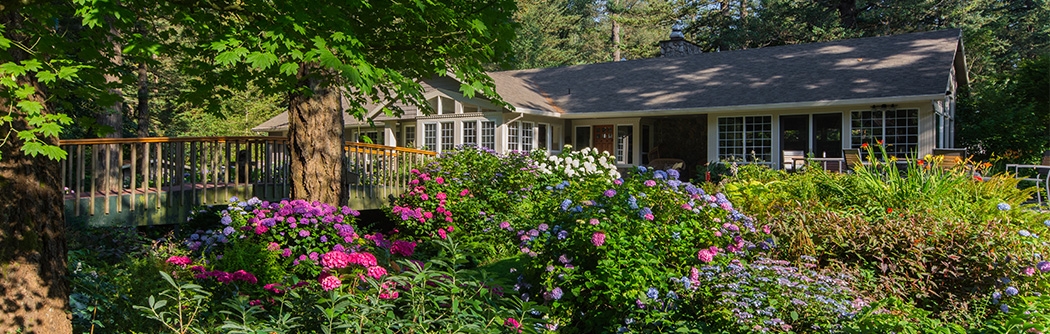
(750, 107)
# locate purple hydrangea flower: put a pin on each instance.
(610, 193)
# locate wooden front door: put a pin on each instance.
(604, 138)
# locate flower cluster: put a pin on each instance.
(762, 294)
(587, 162)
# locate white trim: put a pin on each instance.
(750, 107)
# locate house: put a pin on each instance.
(747, 105)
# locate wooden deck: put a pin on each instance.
(158, 180)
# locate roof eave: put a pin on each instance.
(753, 107)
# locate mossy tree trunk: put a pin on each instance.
(32, 231)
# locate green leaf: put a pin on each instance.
(262, 60)
(67, 72)
(31, 107)
(289, 68)
(31, 65)
(24, 91)
(231, 56)
(12, 69)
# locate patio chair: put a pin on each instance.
(852, 158)
(790, 156)
(952, 157)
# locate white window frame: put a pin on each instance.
(488, 134)
(513, 135)
(624, 146)
(470, 133)
(447, 138)
(528, 136)
(745, 150)
(410, 136)
(894, 144)
(430, 136)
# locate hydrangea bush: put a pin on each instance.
(611, 243)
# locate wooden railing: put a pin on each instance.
(117, 175)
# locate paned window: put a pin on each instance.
(430, 136)
(897, 128)
(512, 136)
(526, 137)
(448, 135)
(745, 138)
(470, 133)
(488, 135)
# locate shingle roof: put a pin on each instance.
(875, 67)
(863, 68)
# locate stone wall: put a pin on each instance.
(678, 48)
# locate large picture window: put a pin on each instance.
(745, 138)
(897, 128)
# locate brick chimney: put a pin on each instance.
(677, 46)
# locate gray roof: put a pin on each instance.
(862, 68)
(917, 64)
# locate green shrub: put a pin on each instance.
(893, 315)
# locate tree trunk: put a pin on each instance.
(108, 180)
(142, 108)
(315, 133)
(32, 226)
(616, 39)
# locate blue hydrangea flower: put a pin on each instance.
(565, 204)
(1024, 233)
(563, 234)
(234, 199)
(673, 174)
(660, 175)
(1047, 223)
(653, 293)
(226, 220)
(671, 295)
(1005, 308)
(1011, 291)
(556, 293)
(641, 169)
(228, 230)
(1003, 207)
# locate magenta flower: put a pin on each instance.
(512, 323)
(439, 180)
(504, 225)
(594, 221)
(1028, 271)
(441, 233)
(363, 259)
(650, 183)
(329, 282)
(464, 193)
(424, 197)
(598, 239)
(707, 255)
(403, 248)
(335, 260)
(376, 271)
(441, 196)
(610, 193)
(242, 275)
(304, 233)
(181, 261)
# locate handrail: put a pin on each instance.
(221, 139)
(115, 175)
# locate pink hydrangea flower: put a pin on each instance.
(650, 183)
(439, 180)
(1029, 271)
(441, 196)
(442, 234)
(504, 225)
(464, 193)
(363, 259)
(335, 260)
(594, 221)
(376, 271)
(598, 239)
(329, 282)
(707, 255)
(181, 261)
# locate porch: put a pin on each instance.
(158, 180)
